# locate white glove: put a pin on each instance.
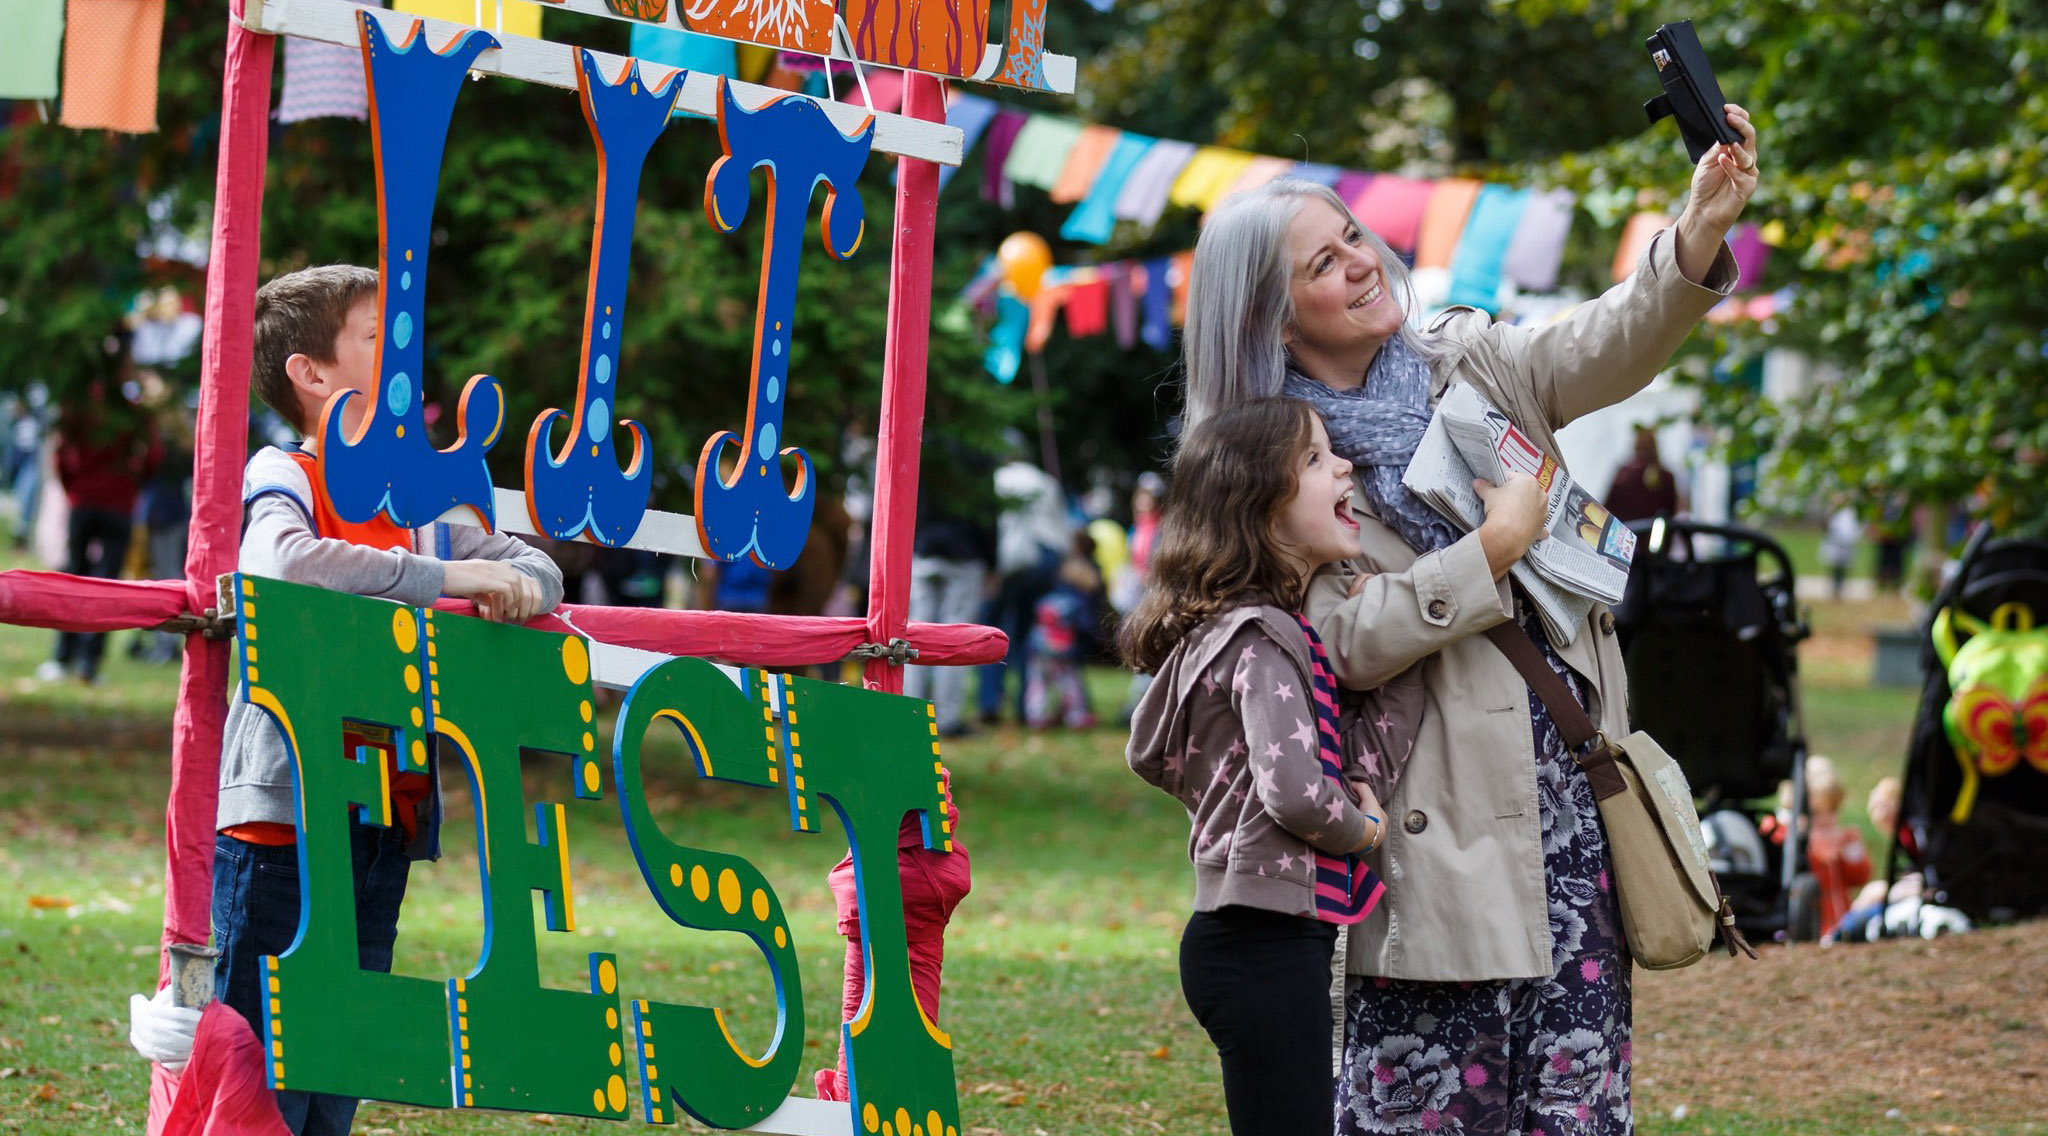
(160, 1031)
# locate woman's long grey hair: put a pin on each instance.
(1240, 305)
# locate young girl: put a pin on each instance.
(1241, 724)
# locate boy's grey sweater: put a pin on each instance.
(278, 541)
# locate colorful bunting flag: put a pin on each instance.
(1392, 206)
(1040, 152)
(1123, 303)
(1537, 249)
(1090, 151)
(521, 18)
(1317, 173)
(1143, 197)
(689, 51)
(971, 114)
(1635, 240)
(1476, 265)
(111, 49)
(1088, 305)
(1443, 219)
(1002, 135)
(1259, 172)
(1207, 176)
(1158, 327)
(1350, 188)
(322, 80)
(35, 31)
(1006, 338)
(1095, 218)
(1751, 255)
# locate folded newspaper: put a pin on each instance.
(1584, 555)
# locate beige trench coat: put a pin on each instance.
(1463, 858)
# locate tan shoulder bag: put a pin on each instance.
(1672, 909)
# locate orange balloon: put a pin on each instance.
(1024, 258)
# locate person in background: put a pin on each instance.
(1065, 630)
(1125, 589)
(1838, 546)
(1033, 534)
(166, 508)
(951, 557)
(105, 451)
(1643, 488)
(1834, 851)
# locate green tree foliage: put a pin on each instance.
(1903, 154)
(509, 263)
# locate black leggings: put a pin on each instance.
(1259, 982)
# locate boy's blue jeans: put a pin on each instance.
(256, 913)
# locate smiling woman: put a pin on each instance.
(1504, 1003)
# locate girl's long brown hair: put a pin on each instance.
(1215, 547)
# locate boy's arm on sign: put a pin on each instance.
(467, 542)
(278, 542)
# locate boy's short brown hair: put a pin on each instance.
(301, 313)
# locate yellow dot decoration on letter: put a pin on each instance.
(675, 875)
(418, 719)
(611, 1017)
(597, 1100)
(607, 976)
(575, 660)
(902, 1120)
(615, 1092)
(589, 742)
(617, 1054)
(590, 776)
(870, 1119)
(933, 1124)
(700, 883)
(405, 630)
(729, 891)
(781, 938)
(412, 678)
(760, 904)
(585, 710)
(419, 752)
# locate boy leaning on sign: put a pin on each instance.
(316, 334)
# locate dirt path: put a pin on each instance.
(1953, 1034)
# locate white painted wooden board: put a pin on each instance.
(673, 533)
(554, 64)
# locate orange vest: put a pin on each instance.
(407, 789)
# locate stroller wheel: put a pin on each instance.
(1802, 909)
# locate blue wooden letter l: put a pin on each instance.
(751, 513)
(580, 487)
(389, 466)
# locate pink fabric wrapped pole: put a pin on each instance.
(222, 439)
(751, 640)
(62, 602)
(900, 434)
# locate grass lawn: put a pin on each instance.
(1062, 994)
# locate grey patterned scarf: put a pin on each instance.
(1377, 426)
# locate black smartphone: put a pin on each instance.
(1691, 95)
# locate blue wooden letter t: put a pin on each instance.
(580, 487)
(389, 466)
(750, 513)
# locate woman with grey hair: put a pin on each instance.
(1489, 991)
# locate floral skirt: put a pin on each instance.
(1542, 1056)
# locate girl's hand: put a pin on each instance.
(1722, 183)
(1376, 816)
(1514, 519)
(1358, 583)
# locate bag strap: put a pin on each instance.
(1591, 749)
(1588, 745)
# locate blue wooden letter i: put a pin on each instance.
(390, 466)
(752, 514)
(580, 487)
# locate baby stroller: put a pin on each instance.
(1709, 631)
(1973, 817)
